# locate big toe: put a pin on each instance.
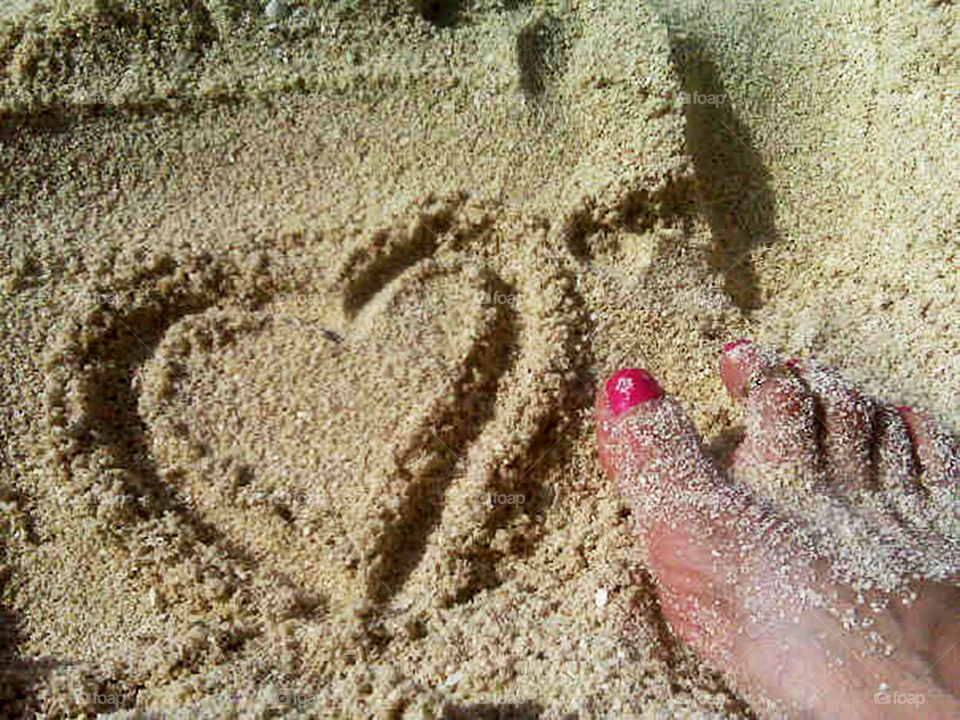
(703, 536)
(649, 447)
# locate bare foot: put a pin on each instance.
(841, 598)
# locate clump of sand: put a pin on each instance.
(306, 312)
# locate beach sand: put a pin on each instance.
(306, 307)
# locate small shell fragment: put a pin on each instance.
(602, 598)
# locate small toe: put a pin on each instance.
(848, 420)
(937, 450)
(740, 362)
(780, 445)
(896, 463)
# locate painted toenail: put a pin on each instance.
(628, 388)
(731, 345)
(904, 409)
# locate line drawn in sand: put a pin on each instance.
(200, 397)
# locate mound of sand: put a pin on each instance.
(306, 306)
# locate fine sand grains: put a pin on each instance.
(304, 314)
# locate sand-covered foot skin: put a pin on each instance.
(750, 586)
(811, 433)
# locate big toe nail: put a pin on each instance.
(629, 388)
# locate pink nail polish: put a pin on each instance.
(903, 409)
(731, 345)
(628, 388)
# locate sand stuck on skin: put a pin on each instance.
(305, 308)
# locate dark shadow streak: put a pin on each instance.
(493, 711)
(735, 188)
(19, 678)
